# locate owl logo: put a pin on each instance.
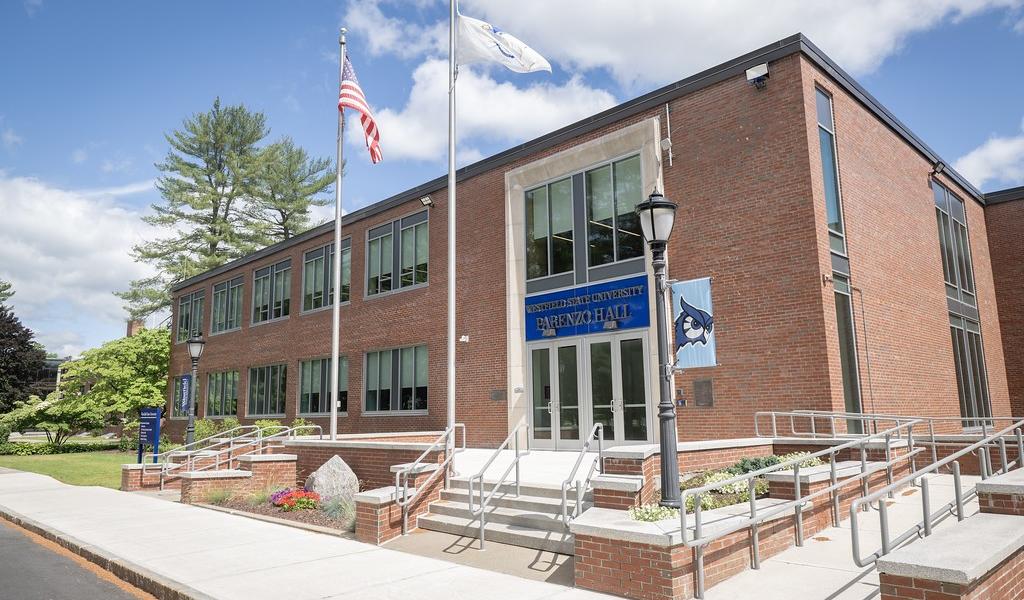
(693, 325)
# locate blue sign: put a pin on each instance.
(693, 324)
(186, 387)
(149, 430)
(588, 309)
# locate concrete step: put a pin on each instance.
(499, 514)
(540, 504)
(525, 489)
(560, 542)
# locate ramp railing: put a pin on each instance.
(510, 443)
(597, 433)
(404, 496)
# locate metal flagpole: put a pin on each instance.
(336, 262)
(452, 74)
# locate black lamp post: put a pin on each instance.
(196, 343)
(656, 218)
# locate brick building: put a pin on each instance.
(1004, 217)
(842, 276)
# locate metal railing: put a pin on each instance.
(699, 540)
(446, 440)
(923, 528)
(510, 443)
(812, 417)
(597, 432)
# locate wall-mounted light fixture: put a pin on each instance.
(758, 75)
(426, 201)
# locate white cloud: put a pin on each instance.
(32, 6)
(66, 252)
(487, 111)
(115, 165)
(389, 35)
(128, 189)
(1000, 160)
(10, 139)
(79, 156)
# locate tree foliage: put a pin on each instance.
(6, 291)
(288, 183)
(54, 415)
(21, 360)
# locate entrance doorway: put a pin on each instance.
(577, 382)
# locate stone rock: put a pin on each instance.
(334, 479)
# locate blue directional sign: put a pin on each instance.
(604, 306)
(149, 430)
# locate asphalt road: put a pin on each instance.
(32, 571)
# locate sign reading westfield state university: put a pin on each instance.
(588, 309)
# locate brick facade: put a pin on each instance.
(1001, 583)
(1004, 222)
(380, 520)
(747, 170)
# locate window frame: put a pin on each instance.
(966, 379)
(395, 227)
(395, 382)
(954, 226)
(615, 212)
(831, 130)
(192, 298)
(842, 280)
(324, 386)
(229, 285)
(273, 272)
(221, 387)
(549, 237)
(250, 387)
(346, 247)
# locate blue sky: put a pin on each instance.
(88, 90)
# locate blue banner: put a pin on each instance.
(186, 396)
(588, 309)
(693, 324)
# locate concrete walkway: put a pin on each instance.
(209, 554)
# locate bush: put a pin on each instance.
(342, 510)
(5, 432)
(756, 463)
(807, 462)
(652, 512)
(218, 497)
(34, 449)
(230, 423)
(207, 428)
(300, 422)
(268, 426)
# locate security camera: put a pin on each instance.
(666, 145)
(758, 75)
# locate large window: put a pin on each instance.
(404, 369)
(401, 246)
(267, 387)
(413, 255)
(271, 296)
(380, 256)
(613, 228)
(847, 349)
(315, 386)
(954, 245)
(190, 315)
(971, 376)
(318, 276)
(222, 394)
(830, 173)
(549, 229)
(227, 306)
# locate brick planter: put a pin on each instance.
(135, 477)
(617, 491)
(255, 473)
(379, 517)
(370, 458)
(1002, 494)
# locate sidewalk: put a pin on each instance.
(204, 554)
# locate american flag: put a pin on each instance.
(351, 96)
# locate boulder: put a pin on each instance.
(334, 479)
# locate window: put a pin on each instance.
(271, 292)
(190, 315)
(179, 409)
(971, 376)
(404, 369)
(830, 173)
(267, 390)
(409, 256)
(549, 229)
(954, 245)
(315, 385)
(222, 394)
(847, 349)
(227, 306)
(414, 255)
(613, 229)
(318, 276)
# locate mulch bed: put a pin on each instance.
(309, 517)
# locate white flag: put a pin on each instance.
(479, 41)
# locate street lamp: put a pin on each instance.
(656, 218)
(195, 350)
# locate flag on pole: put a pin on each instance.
(480, 41)
(351, 96)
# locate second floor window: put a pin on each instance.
(271, 295)
(613, 228)
(222, 394)
(549, 229)
(227, 306)
(190, 315)
(401, 246)
(267, 387)
(314, 389)
(954, 245)
(830, 173)
(318, 276)
(380, 256)
(414, 253)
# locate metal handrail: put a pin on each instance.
(512, 442)
(402, 496)
(923, 528)
(218, 437)
(596, 432)
(814, 416)
(983, 423)
(699, 540)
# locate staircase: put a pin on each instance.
(531, 520)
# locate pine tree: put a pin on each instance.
(6, 291)
(207, 174)
(288, 183)
(21, 360)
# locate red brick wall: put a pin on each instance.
(265, 476)
(616, 499)
(1005, 225)
(1004, 582)
(371, 465)
(1003, 504)
(379, 523)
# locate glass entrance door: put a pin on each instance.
(555, 393)
(619, 388)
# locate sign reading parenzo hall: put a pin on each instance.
(588, 309)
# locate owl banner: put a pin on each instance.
(693, 324)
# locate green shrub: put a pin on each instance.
(33, 448)
(207, 428)
(230, 423)
(300, 422)
(342, 510)
(807, 462)
(751, 464)
(269, 426)
(218, 497)
(5, 432)
(652, 512)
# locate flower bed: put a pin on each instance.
(293, 505)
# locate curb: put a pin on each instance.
(136, 575)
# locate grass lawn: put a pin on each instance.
(82, 468)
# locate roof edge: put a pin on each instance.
(1007, 195)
